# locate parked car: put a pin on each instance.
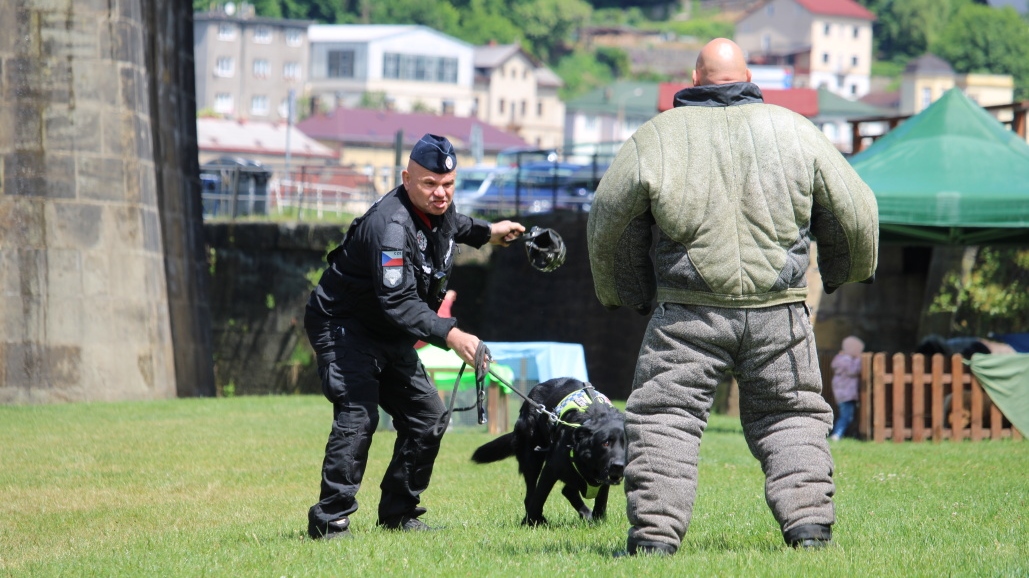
(537, 187)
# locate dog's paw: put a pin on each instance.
(534, 521)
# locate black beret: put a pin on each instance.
(435, 153)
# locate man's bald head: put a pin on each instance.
(721, 61)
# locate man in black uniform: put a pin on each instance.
(377, 298)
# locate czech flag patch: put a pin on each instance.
(392, 258)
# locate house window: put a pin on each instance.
(223, 103)
(448, 107)
(828, 29)
(525, 106)
(539, 109)
(291, 71)
(853, 89)
(424, 68)
(294, 37)
(224, 66)
(857, 32)
(341, 64)
(284, 108)
(259, 105)
(263, 35)
(825, 58)
(262, 69)
(853, 60)
(591, 122)
(766, 42)
(226, 31)
(927, 97)
(500, 106)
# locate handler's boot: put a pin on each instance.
(336, 529)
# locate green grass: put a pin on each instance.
(219, 487)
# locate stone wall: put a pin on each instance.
(262, 275)
(97, 147)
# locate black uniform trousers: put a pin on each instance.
(361, 374)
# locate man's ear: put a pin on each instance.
(694, 77)
(748, 75)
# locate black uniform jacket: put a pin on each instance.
(391, 270)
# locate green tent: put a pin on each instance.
(951, 174)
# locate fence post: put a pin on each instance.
(957, 397)
(977, 408)
(917, 397)
(899, 385)
(865, 393)
(879, 397)
(996, 422)
(937, 397)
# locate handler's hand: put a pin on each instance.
(464, 345)
(504, 232)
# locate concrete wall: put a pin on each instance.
(100, 239)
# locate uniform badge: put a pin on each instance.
(422, 241)
(392, 268)
(449, 163)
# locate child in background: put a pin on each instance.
(846, 367)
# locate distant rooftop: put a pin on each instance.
(262, 137)
(928, 63)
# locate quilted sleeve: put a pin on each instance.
(619, 234)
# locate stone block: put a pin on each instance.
(100, 178)
(73, 225)
(72, 131)
(97, 277)
(23, 222)
(12, 314)
(152, 232)
(63, 273)
(28, 124)
(32, 366)
(37, 174)
(111, 137)
(64, 319)
(125, 224)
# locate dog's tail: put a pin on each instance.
(496, 450)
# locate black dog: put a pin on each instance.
(584, 449)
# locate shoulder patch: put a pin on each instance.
(395, 236)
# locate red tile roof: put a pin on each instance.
(358, 126)
(803, 101)
(846, 8)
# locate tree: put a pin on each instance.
(549, 24)
(992, 295)
(437, 14)
(980, 39)
(905, 29)
(483, 21)
(581, 72)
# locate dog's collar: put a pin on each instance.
(579, 400)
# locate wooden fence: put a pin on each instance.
(903, 398)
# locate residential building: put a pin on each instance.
(828, 42)
(366, 138)
(517, 93)
(403, 68)
(927, 77)
(248, 66)
(269, 143)
(605, 117)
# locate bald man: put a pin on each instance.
(735, 188)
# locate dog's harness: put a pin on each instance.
(578, 401)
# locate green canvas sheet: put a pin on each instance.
(1006, 379)
(951, 174)
(445, 365)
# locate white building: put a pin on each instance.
(246, 65)
(516, 93)
(828, 42)
(411, 68)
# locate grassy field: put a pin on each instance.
(220, 487)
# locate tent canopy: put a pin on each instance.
(951, 174)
